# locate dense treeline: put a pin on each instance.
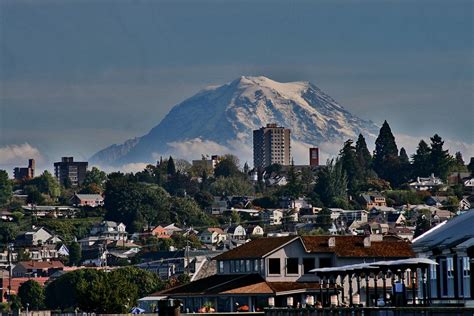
(92, 290)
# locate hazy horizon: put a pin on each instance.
(78, 76)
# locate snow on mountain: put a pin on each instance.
(221, 119)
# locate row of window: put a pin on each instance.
(242, 266)
(447, 276)
(292, 265)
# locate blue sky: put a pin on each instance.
(76, 76)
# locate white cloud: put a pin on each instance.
(194, 148)
(18, 154)
(410, 143)
(126, 168)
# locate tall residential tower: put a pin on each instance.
(271, 144)
(69, 170)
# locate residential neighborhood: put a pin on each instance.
(226, 239)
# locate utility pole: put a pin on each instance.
(187, 254)
(10, 270)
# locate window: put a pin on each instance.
(274, 266)
(325, 263)
(247, 266)
(237, 266)
(292, 266)
(308, 265)
(232, 266)
(221, 266)
(255, 265)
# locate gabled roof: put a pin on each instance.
(257, 248)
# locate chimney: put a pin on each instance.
(332, 242)
(367, 242)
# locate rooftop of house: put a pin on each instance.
(31, 265)
(353, 246)
(89, 196)
(448, 234)
(215, 230)
(344, 246)
(236, 284)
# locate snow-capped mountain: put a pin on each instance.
(221, 119)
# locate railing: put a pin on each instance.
(373, 311)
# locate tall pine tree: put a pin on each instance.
(331, 184)
(441, 161)
(422, 160)
(386, 161)
(404, 173)
(363, 154)
(350, 165)
(170, 167)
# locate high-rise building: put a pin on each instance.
(314, 157)
(67, 168)
(271, 145)
(21, 173)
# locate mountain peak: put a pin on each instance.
(221, 119)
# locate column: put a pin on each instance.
(375, 288)
(349, 278)
(404, 290)
(413, 281)
(384, 286)
(342, 277)
(321, 290)
(367, 298)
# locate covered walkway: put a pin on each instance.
(407, 276)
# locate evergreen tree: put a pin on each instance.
(441, 161)
(405, 167)
(331, 184)
(386, 161)
(403, 156)
(459, 159)
(75, 254)
(350, 165)
(470, 166)
(421, 160)
(459, 164)
(293, 188)
(170, 167)
(5, 188)
(363, 154)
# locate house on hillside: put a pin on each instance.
(36, 237)
(109, 230)
(236, 232)
(37, 268)
(254, 231)
(272, 216)
(91, 200)
(426, 183)
(212, 236)
(373, 199)
(280, 268)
